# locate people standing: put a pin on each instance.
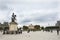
(57, 32)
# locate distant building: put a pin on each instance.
(34, 27)
(52, 27)
(4, 25)
(58, 23)
(31, 26)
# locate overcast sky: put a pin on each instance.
(42, 12)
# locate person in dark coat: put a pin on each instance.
(57, 32)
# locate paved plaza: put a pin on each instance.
(38, 35)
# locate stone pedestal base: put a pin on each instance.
(13, 26)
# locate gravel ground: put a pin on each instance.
(38, 35)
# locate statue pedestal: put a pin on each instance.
(13, 26)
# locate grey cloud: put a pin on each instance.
(38, 19)
(3, 7)
(26, 20)
(27, 6)
(21, 8)
(45, 5)
(46, 18)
